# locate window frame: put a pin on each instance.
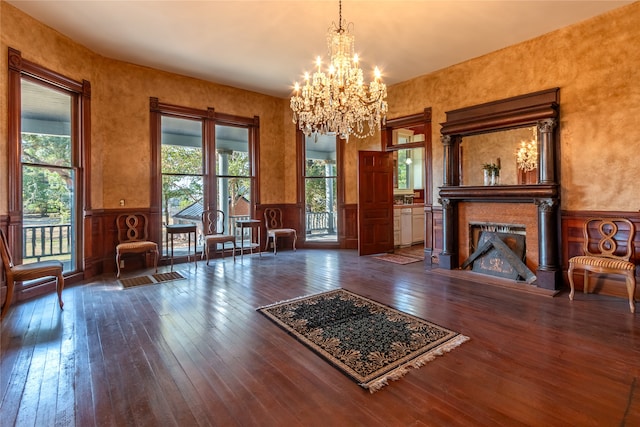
(80, 93)
(301, 153)
(210, 118)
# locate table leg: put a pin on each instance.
(171, 251)
(195, 247)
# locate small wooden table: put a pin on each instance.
(184, 229)
(251, 224)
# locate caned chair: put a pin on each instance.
(608, 249)
(133, 238)
(31, 271)
(275, 228)
(213, 230)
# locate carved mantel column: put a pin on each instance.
(446, 160)
(547, 153)
(549, 269)
(449, 257)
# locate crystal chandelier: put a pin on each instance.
(527, 154)
(337, 100)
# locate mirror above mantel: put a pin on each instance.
(513, 151)
(494, 133)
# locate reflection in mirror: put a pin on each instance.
(408, 135)
(513, 151)
(409, 169)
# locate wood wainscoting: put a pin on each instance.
(100, 240)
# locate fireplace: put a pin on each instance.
(535, 207)
(520, 218)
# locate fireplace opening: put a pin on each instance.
(476, 229)
(498, 250)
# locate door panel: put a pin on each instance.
(375, 202)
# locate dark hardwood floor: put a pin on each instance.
(195, 352)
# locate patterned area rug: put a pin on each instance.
(397, 259)
(150, 280)
(368, 341)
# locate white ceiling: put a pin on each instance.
(265, 46)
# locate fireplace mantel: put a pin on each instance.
(503, 194)
(540, 109)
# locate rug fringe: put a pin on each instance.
(401, 371)
(295, 299)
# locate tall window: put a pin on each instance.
(49, 222)
(181, 161)
(206, 160)
(321, 189)
(49, 135)
(233, 173)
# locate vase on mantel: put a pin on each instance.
(494, 177)
(491, 177)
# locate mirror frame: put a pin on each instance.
(539, 109)
(420, 119)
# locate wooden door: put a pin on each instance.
(375, 202)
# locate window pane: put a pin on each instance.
(320, 153)
(232, 147)
(233, 170)
(320, 168)
(321, 209)
(46, 125)
(48, 220)
(403, 168)
(234, 163)
(48, 178)
(234, 196)
(181, 146)
(181, 198)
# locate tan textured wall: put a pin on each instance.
(595, 64)
(121, 125)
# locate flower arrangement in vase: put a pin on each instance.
(491, 173)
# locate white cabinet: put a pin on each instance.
(406, 222)
(408, 225)
(396, 227)
(417, 225)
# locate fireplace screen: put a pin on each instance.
(498, 262)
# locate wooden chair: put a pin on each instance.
(213, 230)
(133, 238)
(275, 228)
(603, 254)
(31, 271)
